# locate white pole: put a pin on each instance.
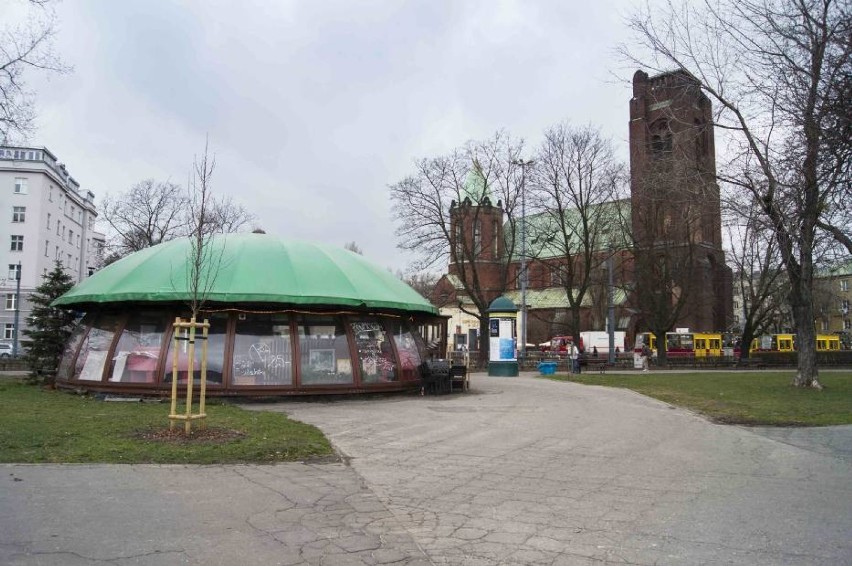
(522, 351)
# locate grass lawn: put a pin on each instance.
(37, 425)
(752, 398)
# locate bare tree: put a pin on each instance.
(228, 217)
(575, 189)
(153, 212)
(24, 48)
(150, 213)
(423, 282)
(780, 73)
(353, 247)
(445, 209)
(758, 277)
(204, 257)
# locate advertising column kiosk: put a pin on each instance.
(502, 321)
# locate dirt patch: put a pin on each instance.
(210, 435)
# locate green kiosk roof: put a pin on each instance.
(251, 268)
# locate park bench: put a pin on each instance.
(755, 363)
(459, 377)
(598, 364)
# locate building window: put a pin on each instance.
(46, 245)
(847, 324)
(48, 221)
(11, 301)
(9, 331)
(70, 236)
(17, 244)
(844, 305)
(661, 142)
(844, 285)
(58, 224)
(457, 242)
(69, 261)
(20, 185)
(19, 213)
(14, 271)
(825, 326)
(57, 257)
(477, 238)
(495, 231)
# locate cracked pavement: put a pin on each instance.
(517, 471)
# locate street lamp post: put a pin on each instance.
(610, 303)
(17, 311)
(523, 165)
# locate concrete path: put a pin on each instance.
(518, 471)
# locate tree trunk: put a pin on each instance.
(662, 352)
(574, 313)
(745, 342)
(484, 342)
(807, 374)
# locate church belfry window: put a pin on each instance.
(661, 139)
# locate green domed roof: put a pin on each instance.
(502, 304)
(475, 186)
(254, 268)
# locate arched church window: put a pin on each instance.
(661, 139)
(457, 242)
(477, 237)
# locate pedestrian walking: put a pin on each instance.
(646, 353)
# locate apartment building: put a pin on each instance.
(47, 218)
(832, 299)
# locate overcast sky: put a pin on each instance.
(314, 107)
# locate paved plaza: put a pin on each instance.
(517, 471)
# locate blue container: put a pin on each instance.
(547, 368)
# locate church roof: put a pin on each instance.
(557, 298)
(476, 187)
(545, 239)
(548, 298)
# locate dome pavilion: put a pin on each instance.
(286, 318)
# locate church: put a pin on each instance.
(667, 260)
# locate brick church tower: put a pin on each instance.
(674, 196)
(477, 235)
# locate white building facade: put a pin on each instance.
(46, 218)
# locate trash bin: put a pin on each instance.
(547, 368)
